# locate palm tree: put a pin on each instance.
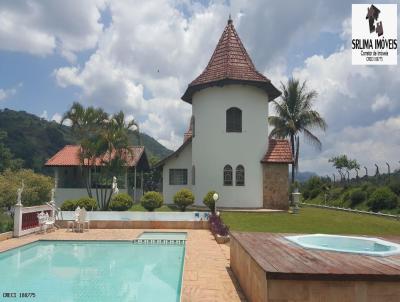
(101, 136)
(295, 115)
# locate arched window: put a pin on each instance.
(240, 175)
(233, 120)
(228, 177)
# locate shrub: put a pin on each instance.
(394, 185)
(36, 191)
(151, 200)
(183, 198)
(217, 226)
(314, 193)
(357, 197)
(209, 201)
(88, 203)
(382, 198)
(69, 205)
(370, 190)
(120, 202)
(335, 193)
(6, 223)
(306, 194)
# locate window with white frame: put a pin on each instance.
(178, 176)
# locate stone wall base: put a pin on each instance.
(276, 186)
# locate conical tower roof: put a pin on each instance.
(230, 64)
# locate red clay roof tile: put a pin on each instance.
(279, 151)
(229, 64)
(69, 156)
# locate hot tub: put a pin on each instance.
(347, 244)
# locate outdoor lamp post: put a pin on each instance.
(296, 200)
(215, 197)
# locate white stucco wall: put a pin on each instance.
(213, 147)
(182, 161)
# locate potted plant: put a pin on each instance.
(219, 229)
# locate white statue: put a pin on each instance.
(114, 186)
(53, 192)
(19, 194)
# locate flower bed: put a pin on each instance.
(218, 228)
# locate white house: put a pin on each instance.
(71, 177)
(226, 148)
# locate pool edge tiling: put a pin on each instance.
(274, 264)
(206, 272)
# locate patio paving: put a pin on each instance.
(207, 275)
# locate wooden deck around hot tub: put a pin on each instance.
(270, 268)
(282, 259)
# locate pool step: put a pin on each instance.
(159, 241)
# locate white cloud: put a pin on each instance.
(376, 143)
(45, 26)
(44, 115)
(56, 117)
(9, 92)
(382, 102)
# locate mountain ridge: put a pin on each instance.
(34, 139)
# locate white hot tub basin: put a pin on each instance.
(347, 244)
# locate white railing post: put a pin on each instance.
(17, 220)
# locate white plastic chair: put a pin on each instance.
(82, 220)
(42, 221)
(49, 221)
(72, 224)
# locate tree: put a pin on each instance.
(104, 148)
(342, 162)
(295, 115)
(152, 178)
(7, 160)
(37, 188)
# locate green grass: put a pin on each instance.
(312, 220)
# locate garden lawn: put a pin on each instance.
(312, 220)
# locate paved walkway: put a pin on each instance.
(207, 275)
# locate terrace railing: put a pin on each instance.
(26, 220)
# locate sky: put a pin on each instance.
(139, 57)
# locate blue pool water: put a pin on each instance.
(92, 271)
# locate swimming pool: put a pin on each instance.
(347, 244)
(93, 271)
